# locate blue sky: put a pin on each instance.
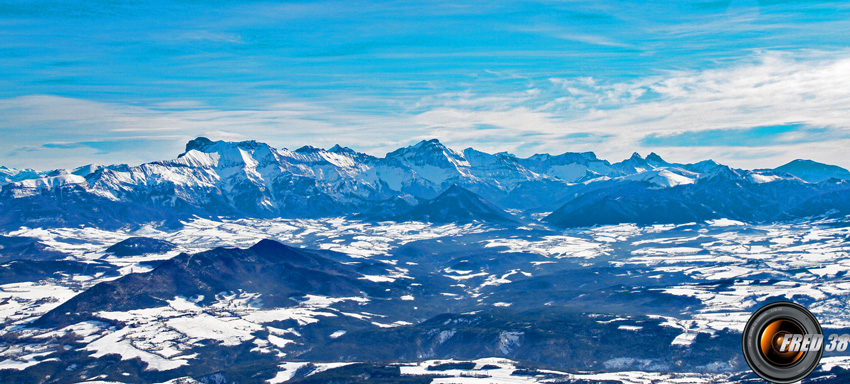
(747, 83)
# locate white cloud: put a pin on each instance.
(28, 123)
(575, 114)
(593, 40)
(773, 89)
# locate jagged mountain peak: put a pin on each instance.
(429, 143)
(342, 150)
(655, 158)
(634, 164)
(564, 158)
(702, 166)
(589, 155)
(227, 154)
(430, 160)
(199, 144)
(87, 169)
(203, 144)
(723, 172)
(634, 160)
(471, 153)
(9, 175)
(424, 147)
(308, 149)
(470, 150)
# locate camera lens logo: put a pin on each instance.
(783, 342)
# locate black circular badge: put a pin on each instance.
(766, 331)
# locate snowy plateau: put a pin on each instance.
(242, 263)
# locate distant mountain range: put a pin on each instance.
(426, 182)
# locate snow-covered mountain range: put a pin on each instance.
(240, 263)
(252, 179)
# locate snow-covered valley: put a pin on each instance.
(452, 291)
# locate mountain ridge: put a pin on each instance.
(252, 179)
(280, 272)
(457, 205)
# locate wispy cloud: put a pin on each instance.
(688, 80)
(573, 33)
(41, 130)
(772, 109)
(593, 39)
(213, 36)
(776, 102)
